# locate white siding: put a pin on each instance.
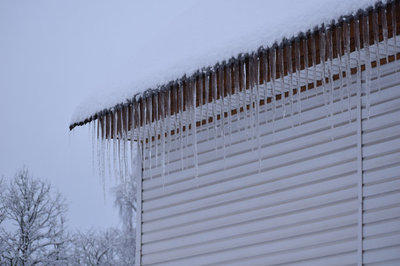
(300, 207)
(381, 177)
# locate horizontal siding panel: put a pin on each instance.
(282, 246)
(273, 199)
(339, 253)
(382, 255)
(275, 213)
(263, 228)
(389, 212)
(241, 188)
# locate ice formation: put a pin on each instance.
(243, 89)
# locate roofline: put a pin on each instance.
(261, 51)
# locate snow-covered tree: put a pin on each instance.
(125, 201)
(33, 228)
(97, 248)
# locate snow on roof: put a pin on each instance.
(207, 32)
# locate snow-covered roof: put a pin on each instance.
(208, 32)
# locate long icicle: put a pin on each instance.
(282, 79)
(163, 131)
(298, 85)
(229, 99)
(314, 61)
(365, 27)
(339, 51)
(156, 128)
(150, 132)
(394, 34)
(375, 28)
(329, 43)
(273, 84)
(207, 81)
(181, 122)
(169, 128)
(385, 33)
(214, 104)
(256, 80)
(194, 130)
(322, 52)
(306, 65)
(346, 36)
(175, 91)
(237, 91)
(358, 54)
(264, 56)
(188, 117)
(289, 67)
(246, 121)
(221, 84)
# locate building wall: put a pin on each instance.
(317, 191)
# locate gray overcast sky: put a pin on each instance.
(52, 55)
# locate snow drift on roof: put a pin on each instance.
(207, 32)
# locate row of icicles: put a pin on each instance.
(169, 118)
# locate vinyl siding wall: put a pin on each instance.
(302, 205)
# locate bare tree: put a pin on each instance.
(33, 230)
(97, 248)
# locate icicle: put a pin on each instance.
(140, 142)
(169, 128)
(314, 62)
(109, 155)
(246, 121)
(207, 99)
(339, 54)
(367, 63)
(256, 79)
(394, 33)
(200, 89)
(133, 133)
(220, 72)
(194, 130)
(126, 125)
(250, 77)
(103, 151)
(385, 33)
(188, 117)
(229, 98)
(181, 122)
(156, 128)
(305, 47)
(358, 53)
(264, 60)
(93, 145)
(100, 153)
(298, 85)
(346, 37)
(163, 131)
(149, 131)
(289, 66)
(282, 79)
(214, 103)
(237, 90)
(120, 129)
(273, 85)
(375, 27)
(115, 142)
(330, 76)
(322, 51)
